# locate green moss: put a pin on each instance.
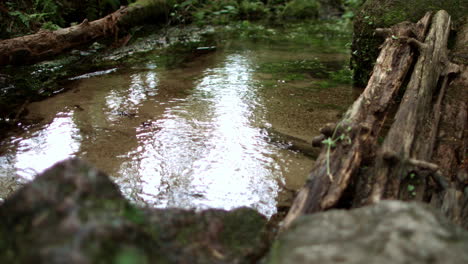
(296, 69)
(304, 69)
(241, 227)
(157, 3)
(134, 215)
(186, 235)
(274, 255)
(378, 13)
(130, 255)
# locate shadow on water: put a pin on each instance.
(208, 133)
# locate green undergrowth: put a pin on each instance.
(28, 16)
(300, 9)
(330, 36)
(225, 11)
(220, 12)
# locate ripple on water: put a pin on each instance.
(192, 137)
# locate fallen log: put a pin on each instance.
(404, 163)
(352, 141)
(44, 44)
(451, 151)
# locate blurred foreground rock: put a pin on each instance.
(389, 232)
(74, 214)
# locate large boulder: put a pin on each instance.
(385, 13)
(389, 232)
(73, 213)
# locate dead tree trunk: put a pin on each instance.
(403, 164)
(417, 160)
(352, 141)
(46, 43)
(451, 151)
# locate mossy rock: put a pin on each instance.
(385, 13)
(72, 213)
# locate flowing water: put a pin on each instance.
(216, 131)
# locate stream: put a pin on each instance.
(205, 133)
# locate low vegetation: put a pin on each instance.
(27, 16)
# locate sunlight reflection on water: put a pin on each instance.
(205, 152)
(191, 137)
(47, 146)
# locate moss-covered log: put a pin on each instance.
(45, 44)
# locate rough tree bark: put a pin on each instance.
(404, 159)
(451, 151)
(423, 154)
(416, 161)
(356, 135)
(45, 44)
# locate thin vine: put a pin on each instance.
(331, 142)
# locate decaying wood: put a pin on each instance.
(412, 135)
(423, 156)
(451, 150)
(361, 125)
(45, 44)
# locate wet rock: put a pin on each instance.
(390, 232)
(73, 213)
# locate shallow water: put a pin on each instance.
(200, 135)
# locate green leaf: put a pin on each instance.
(329, 141)
(24, 18)
(411, 188)
(186, 3)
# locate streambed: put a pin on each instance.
(207, 132)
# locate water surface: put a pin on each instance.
(207, 133)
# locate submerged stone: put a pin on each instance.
(389, 232)
(73, 213)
